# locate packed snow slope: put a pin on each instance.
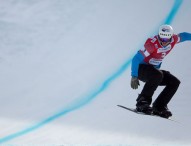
(65, 65)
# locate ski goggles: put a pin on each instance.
(165, 39)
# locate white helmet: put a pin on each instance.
(166, 31)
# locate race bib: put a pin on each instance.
(154, 61)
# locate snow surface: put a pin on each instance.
(65, 65)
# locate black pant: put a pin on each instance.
(153, 78)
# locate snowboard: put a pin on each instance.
(137, 112)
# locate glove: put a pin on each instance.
(134, 82)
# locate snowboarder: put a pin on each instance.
(146, 67)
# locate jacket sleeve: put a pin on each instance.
(184, 36)
(137, 59)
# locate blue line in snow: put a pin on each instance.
(87, 99)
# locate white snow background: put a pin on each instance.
(65, 65)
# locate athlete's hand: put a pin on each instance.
(134, 82)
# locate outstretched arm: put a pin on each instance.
(137, 59)
(184, 36)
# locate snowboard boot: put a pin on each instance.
(143, 104)
(162, 111)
